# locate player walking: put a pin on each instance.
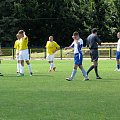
(51, 47)
(23, 52)
(92, 42)
(78, 57)
(118, 53)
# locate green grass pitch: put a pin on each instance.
(48, 96)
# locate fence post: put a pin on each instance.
(110, 54)
(61, 53)
(45, 53)
(13, 53)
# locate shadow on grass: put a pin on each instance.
(34, 75)
(104, 80)
(42, 75)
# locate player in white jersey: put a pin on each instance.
(78, 57)
(118, 53)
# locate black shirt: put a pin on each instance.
(93, 41)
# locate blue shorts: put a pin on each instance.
(78, 57)
(117, 55)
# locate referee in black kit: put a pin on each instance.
(92, 42)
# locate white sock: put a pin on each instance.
(21, 69)
(84, 73)
(73, 73)
(52, 65)
(18, 67)
(30, 68)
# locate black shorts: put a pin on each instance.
(94, 55)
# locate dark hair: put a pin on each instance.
(21, 31)
(75, 33)
(94, 30)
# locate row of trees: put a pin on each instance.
(41, 18)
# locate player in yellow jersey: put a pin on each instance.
(23, 53)
(16, 47)
(51, 47)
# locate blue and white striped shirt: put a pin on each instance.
(77, 46)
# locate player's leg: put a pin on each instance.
(18, 63)
(21, 60)
(90, 68)
(21, 68)
(18, 66)
(26, 58)
(95, 66)
(53, 65)
(76, 62)
(73, 73)
(81, 67)
(51, 62)
(92, 58)
(50, 69)
(117, 66)
(96, 69)
(117, 61)
(84, 72)
(29, 67)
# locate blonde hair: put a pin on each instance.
(21, 32)
(50, 37)
(17, 35)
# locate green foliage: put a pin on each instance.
(41, 18)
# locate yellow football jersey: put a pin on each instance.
(16, 46)
(23, 43)
(51, 47)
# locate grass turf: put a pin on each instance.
(48, 96)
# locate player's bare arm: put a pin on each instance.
(66, 48)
